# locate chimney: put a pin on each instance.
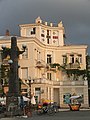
(7, 33)
(45, 23)
(51, 24)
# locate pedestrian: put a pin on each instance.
(33, 102)
(22, 103)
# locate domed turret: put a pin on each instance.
(38, 20)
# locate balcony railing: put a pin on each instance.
(60, 83)
(42, 81)
(52, 67)
(70, 83)
(73, 66)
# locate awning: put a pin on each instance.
(75, 97)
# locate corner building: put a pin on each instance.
(46, 62)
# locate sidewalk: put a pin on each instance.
(3, 115)
(67, 109)
(10, 114)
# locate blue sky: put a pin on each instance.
(75, 15)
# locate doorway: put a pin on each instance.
(56, 96)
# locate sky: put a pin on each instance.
(75, 15)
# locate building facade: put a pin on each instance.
(50, 63)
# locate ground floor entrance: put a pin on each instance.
(56, 96)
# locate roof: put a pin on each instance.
(5, 37)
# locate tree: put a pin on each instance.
(88, 69)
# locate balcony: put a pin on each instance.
(70, 83)
(40, 64)
(60, 83)
(53, 69)
(42, 81)
(73, 66)
(53, 66)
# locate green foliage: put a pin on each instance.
(88, 68)
(4, 71)
(87, 60)
(76, 71)
(5, 52)
(4, 74)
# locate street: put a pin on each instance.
(62, 115)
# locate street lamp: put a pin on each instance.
(3, 47)
(10, 62)
(30, 95)
(30, 82)
(24, 46)
(13, 52)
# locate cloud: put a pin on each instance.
(75, 15)
(1, 0)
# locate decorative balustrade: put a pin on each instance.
(73, 66)
(70, 83)
(60, 83)
(42, 81)
(52, 67)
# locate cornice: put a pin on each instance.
(44, 46)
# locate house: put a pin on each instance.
(50, 64)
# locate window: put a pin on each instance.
(64, 59)
(25, 54)
(47, 32)
(71, 58)
(37, 94)
(37, 90)
(66, 98)
(42, 35)
(33, 31)
(55, 37)
(48, 36)
(49, 59)
(24, 73)
(48, 41)
(80, 58)
(49, 76)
